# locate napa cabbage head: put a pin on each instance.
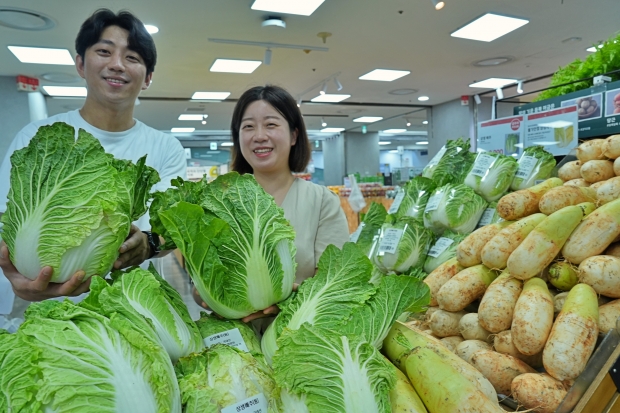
(454, 207)
(415, 196)
(409, 246)
(491, 175)
(455, 161)
(535, 164)
(443, 249)
(367, 233)
(70, 204)
(238, 333)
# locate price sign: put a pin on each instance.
(440, 246)
(482, 165)
(433, 202)
(501, 136)
(390, 240)
(231, 338)
(556, 130)
(397, 201)
(487, 217)
(526, 166)
(254, 404)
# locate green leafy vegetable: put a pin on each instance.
(210, 325)
(416, 194)
(491, 175)
(458, 208)
(453, 165)
(370, 228)
(535, 164)
(443, 255)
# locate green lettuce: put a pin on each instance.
(454, 207)
(448, 237)
(454, 163)
(491, 175)
(411, 250)
(535, 164)
(415, 196)
(70, 204)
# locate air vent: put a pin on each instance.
(195, 109)
(22, 19)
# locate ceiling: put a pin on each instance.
(365, 35)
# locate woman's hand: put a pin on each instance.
(134, 251)
(40, 288)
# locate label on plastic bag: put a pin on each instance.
(433, 202)
(437, 157)
(254, 404)
(231, 338)
(356, 235)
(482, 164)
(397, 201)
(390, 240)
(440, 246)
(539, 181)
(487, 217)
(526, 166)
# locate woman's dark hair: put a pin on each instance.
(140, 41)
(285, 104)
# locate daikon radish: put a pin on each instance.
(563, 275)
(573, 335)
(539, 392)
(440, 275)
(467, 348)
(558, 302)
(543, 244)
(594, 234)
(570, 171)
(596, 171)
(502, 343)
(500, 369)
(452, 342)
(445, 323)
(617, 167)
(563, 196)
(403, 398)
(611, 147)
(608, 191)
(444, 382)
(470, 328)
(468, 252)
(496, 252)
(601, 272)
(533, 317)
(591, 150)
(608, 316)
(577, 182)
(597, 185)
(498, 303)
(613, 249)
(524, 202)
(466, 286)
(429, 313)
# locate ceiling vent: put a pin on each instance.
(22, 19)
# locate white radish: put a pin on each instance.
(563, 196)
(467, 348)
(601, 272)
(573, 335)
(502, 343)
(611, 147)
(591, 150)
(597, 185)
(465, 287)
(451, 342)
(524, 202)
(497, 305)
(596, 171)
(470, 328)
(500, 369)
(617, 167)
(539, 392)
(608, 191)
(533, 317)
(468, 252)
(445, 323)
(613, 249)
(577, 182)
(570, 171)
(440, 275)
(608, 316)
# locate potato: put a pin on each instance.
(445, 323)
(601, 272)
(539, 392)
(502, 343)
(451, 342)
(533, 317)
(597, 170)
(563, 196)
(570, 170)
(577, 182)
(608, 190)
(591, 150)
(611, 147)
(500, 369)
(498, 303)
(440, 275)
(607, 316)
(467, 348)
(470, 329)
(617, 167)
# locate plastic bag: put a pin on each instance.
(356, 199)
(491, 175)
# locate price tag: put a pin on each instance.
(437, 157)
(487, 217)
(539, 181)
(433, 202)
(526, 166)
(231, 338)
(397, 201)
(390, 240)
(254, 404)
(482, 164)
(356, 235)
(440, 246)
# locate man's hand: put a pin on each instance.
(41, 288)
(134, 251)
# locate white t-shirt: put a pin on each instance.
(164, 153)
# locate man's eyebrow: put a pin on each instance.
(106, 41)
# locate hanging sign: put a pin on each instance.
(555, 129)
(501, 135)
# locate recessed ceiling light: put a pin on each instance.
(226, 144)
(42, 55)
(330, 98)
(493, 61)
(23, 19)
(65, 91)
(384, 142)
(210, 95)
(235, 66)
(368, 119)
(425, 122)
(422, 143)
(384, 75)
(489, 27)
(151, 29)
(395, 130)
(423, 98)
(182, 130)
(192, 117)
(493, 83)
(332, 130)
(299, 7)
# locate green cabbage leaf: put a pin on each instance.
(535, 164)
(454, 207)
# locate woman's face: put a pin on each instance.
(265, 138)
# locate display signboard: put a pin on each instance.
(554, 129)
(501, 135)
(598, 109)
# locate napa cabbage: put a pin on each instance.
(451, 164)
(368, 231)
(411, 202)
(215, 330)
(70, 204)
(402, 244)
(442, 250)
(535, 164)
(454, 207)
(491, 175)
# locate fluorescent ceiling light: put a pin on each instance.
(330, 98)
(65, 91)
(226, 144)
(384, 142)
(300, 7)
(422, 143)
(395, 130)
(210, 95)
(384, 75)
(368, 119)
(332, 130)
(151, 29)
(394, 151)
(493, 83)
(192, 117)
(235, 66)
(425, 122)
(489, 27)
(42, 55)
(423, 98)
(182, 130)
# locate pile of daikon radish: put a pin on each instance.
(545, 279)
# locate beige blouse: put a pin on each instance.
(315, 213)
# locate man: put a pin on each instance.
(116, 56)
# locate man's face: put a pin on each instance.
(114, 74)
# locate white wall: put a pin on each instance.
(362, 153)
(318, 160)
(14, 112)
(333, 160)
(450, 121)
(394, 159)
